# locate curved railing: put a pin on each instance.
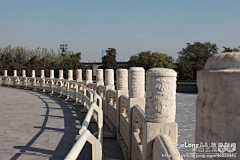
(80, 93)
(141, 118)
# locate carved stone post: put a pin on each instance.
(122, 89)
(160, 110)
(60, 74)
(109, 85)
(33, 79)
(60, 83)
(79, 75)
(99, 78)
(15, 73)
(218, 102)
(88, 76)
(109, 79)
(51, 74)
(23, 79)
(136, 86)
(136, 80)
(33, 74)
(23, 73)
(5, 73)
(5, 78)
(88, 80)
(42, 74)
(161, 95)
(15, 79)
(70, 75)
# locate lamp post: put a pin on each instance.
(63, 47)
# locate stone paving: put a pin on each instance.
(186, 120)
(35, 126)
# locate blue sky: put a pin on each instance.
(129, 26)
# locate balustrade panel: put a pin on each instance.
(112, 108)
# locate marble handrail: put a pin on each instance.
(69, 89)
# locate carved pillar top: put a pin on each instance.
(88, 76)
(99, 75)
(70, 75)
(229, 60)
(109, 77)
(42, 74)
(15, 73)
(161, 95)
(5, 72)
(51, 73)
(122, 79)
(218, 100)
(79, 75)
(33, 73)
(23, 73)
(60, 74)
(136, 76)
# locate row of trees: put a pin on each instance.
(146, 60)
(190, 59)
(149, 60)
(20, 58)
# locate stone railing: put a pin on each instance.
(142, 120)
(72, 91)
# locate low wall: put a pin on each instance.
(187, 88)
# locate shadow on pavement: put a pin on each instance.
(70, 131)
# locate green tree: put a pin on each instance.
(149, 60)
(20, 58)
(109, 60)
(70, 61)
(228, 49)
(193, 58)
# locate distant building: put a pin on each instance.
(103, 53)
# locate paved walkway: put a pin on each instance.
(186, 120)
(38, 126)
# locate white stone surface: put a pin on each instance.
(161, 95)
(163, 148)
(23, 73)
(218, 101)
(136, 82)
(122, 89)
(109, 77)
(15, 73)
(229, 60)
(61, 74)
(42, 73)
(35, 126)
(5, 72)
(79, 75)
(33, 73)
(122, 79)
(88, 76)
(70, 75)
(152, 130)
(51, 73)
(99, 77)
